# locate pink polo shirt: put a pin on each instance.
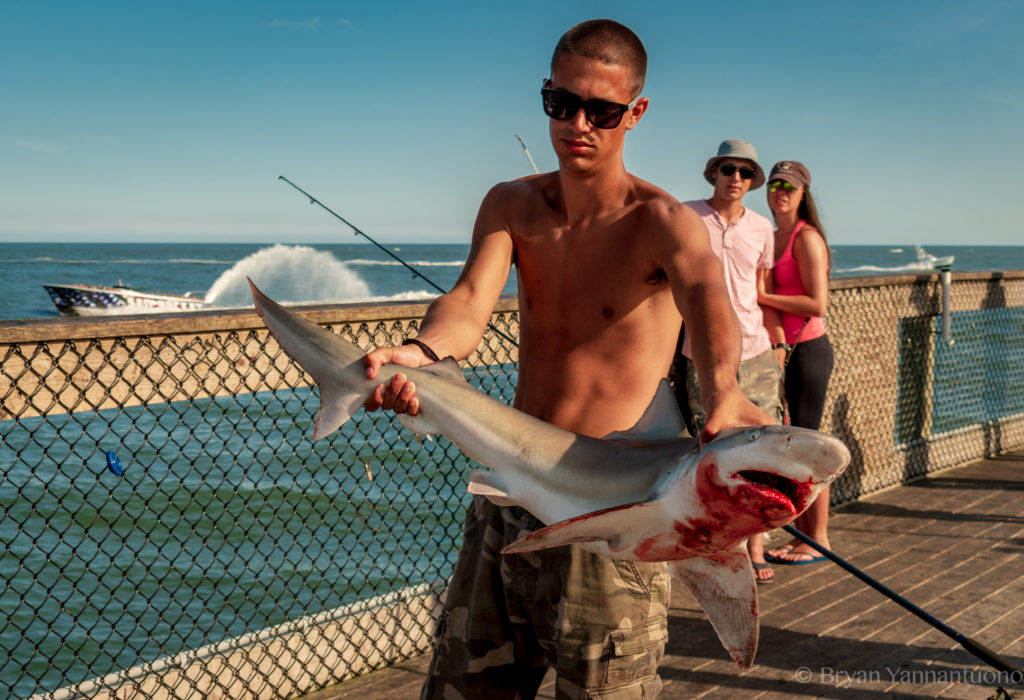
(745, 247)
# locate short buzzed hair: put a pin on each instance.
(607, 41)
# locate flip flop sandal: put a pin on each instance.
(780, 551)
(798, 562)
(761, 567)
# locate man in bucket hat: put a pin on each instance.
(735, 150)
(744, 241)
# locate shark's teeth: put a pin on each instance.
(787, 487)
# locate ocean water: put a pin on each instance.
(338, 273)
(218, 272)
(227, 519)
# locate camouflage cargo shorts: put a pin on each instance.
(760, 379)
(601, 623)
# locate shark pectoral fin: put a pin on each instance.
(725, 588)
(542, 539)
(602, 525)
(488, 484)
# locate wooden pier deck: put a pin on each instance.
(953, 544)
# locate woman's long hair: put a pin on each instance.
(808, 211)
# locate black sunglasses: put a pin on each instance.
(728, 169)
(562, 105)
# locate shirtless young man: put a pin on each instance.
(607, 265)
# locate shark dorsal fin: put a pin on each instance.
(661, 421)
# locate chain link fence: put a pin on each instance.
(170, 530)
(217, 551)
(906, 400)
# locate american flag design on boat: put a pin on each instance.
(96, 300)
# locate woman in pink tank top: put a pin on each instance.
(800, 294)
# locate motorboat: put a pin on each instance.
(928, 261)
(96, 300)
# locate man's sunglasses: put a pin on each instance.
(562, 105)
(728, 169)
(787, 187)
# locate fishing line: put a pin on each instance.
(358, 232)
(976, 648)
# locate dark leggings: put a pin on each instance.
(807, 376)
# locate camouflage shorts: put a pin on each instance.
(760, 378)
(601, 623)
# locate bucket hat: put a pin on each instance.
(736, 148)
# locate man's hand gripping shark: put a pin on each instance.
(645, 494)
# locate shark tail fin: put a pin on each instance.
(727, 592)
(334, 363)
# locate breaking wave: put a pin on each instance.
(288, 273)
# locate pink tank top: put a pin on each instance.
(786, 276)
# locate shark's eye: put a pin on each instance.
(754, 435)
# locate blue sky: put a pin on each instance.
(170, 121)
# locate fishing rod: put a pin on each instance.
(359, 232)
(974, 647)
(532, 164)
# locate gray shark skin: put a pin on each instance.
(645, 494)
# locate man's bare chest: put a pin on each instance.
(568, 293)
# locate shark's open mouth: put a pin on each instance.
(786, 487)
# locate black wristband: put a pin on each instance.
(785, 346)
(431, 355)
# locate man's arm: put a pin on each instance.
(771, 318)
(455, 322)
(698, 286)
(811, 254)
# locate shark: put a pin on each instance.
(650, 493)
